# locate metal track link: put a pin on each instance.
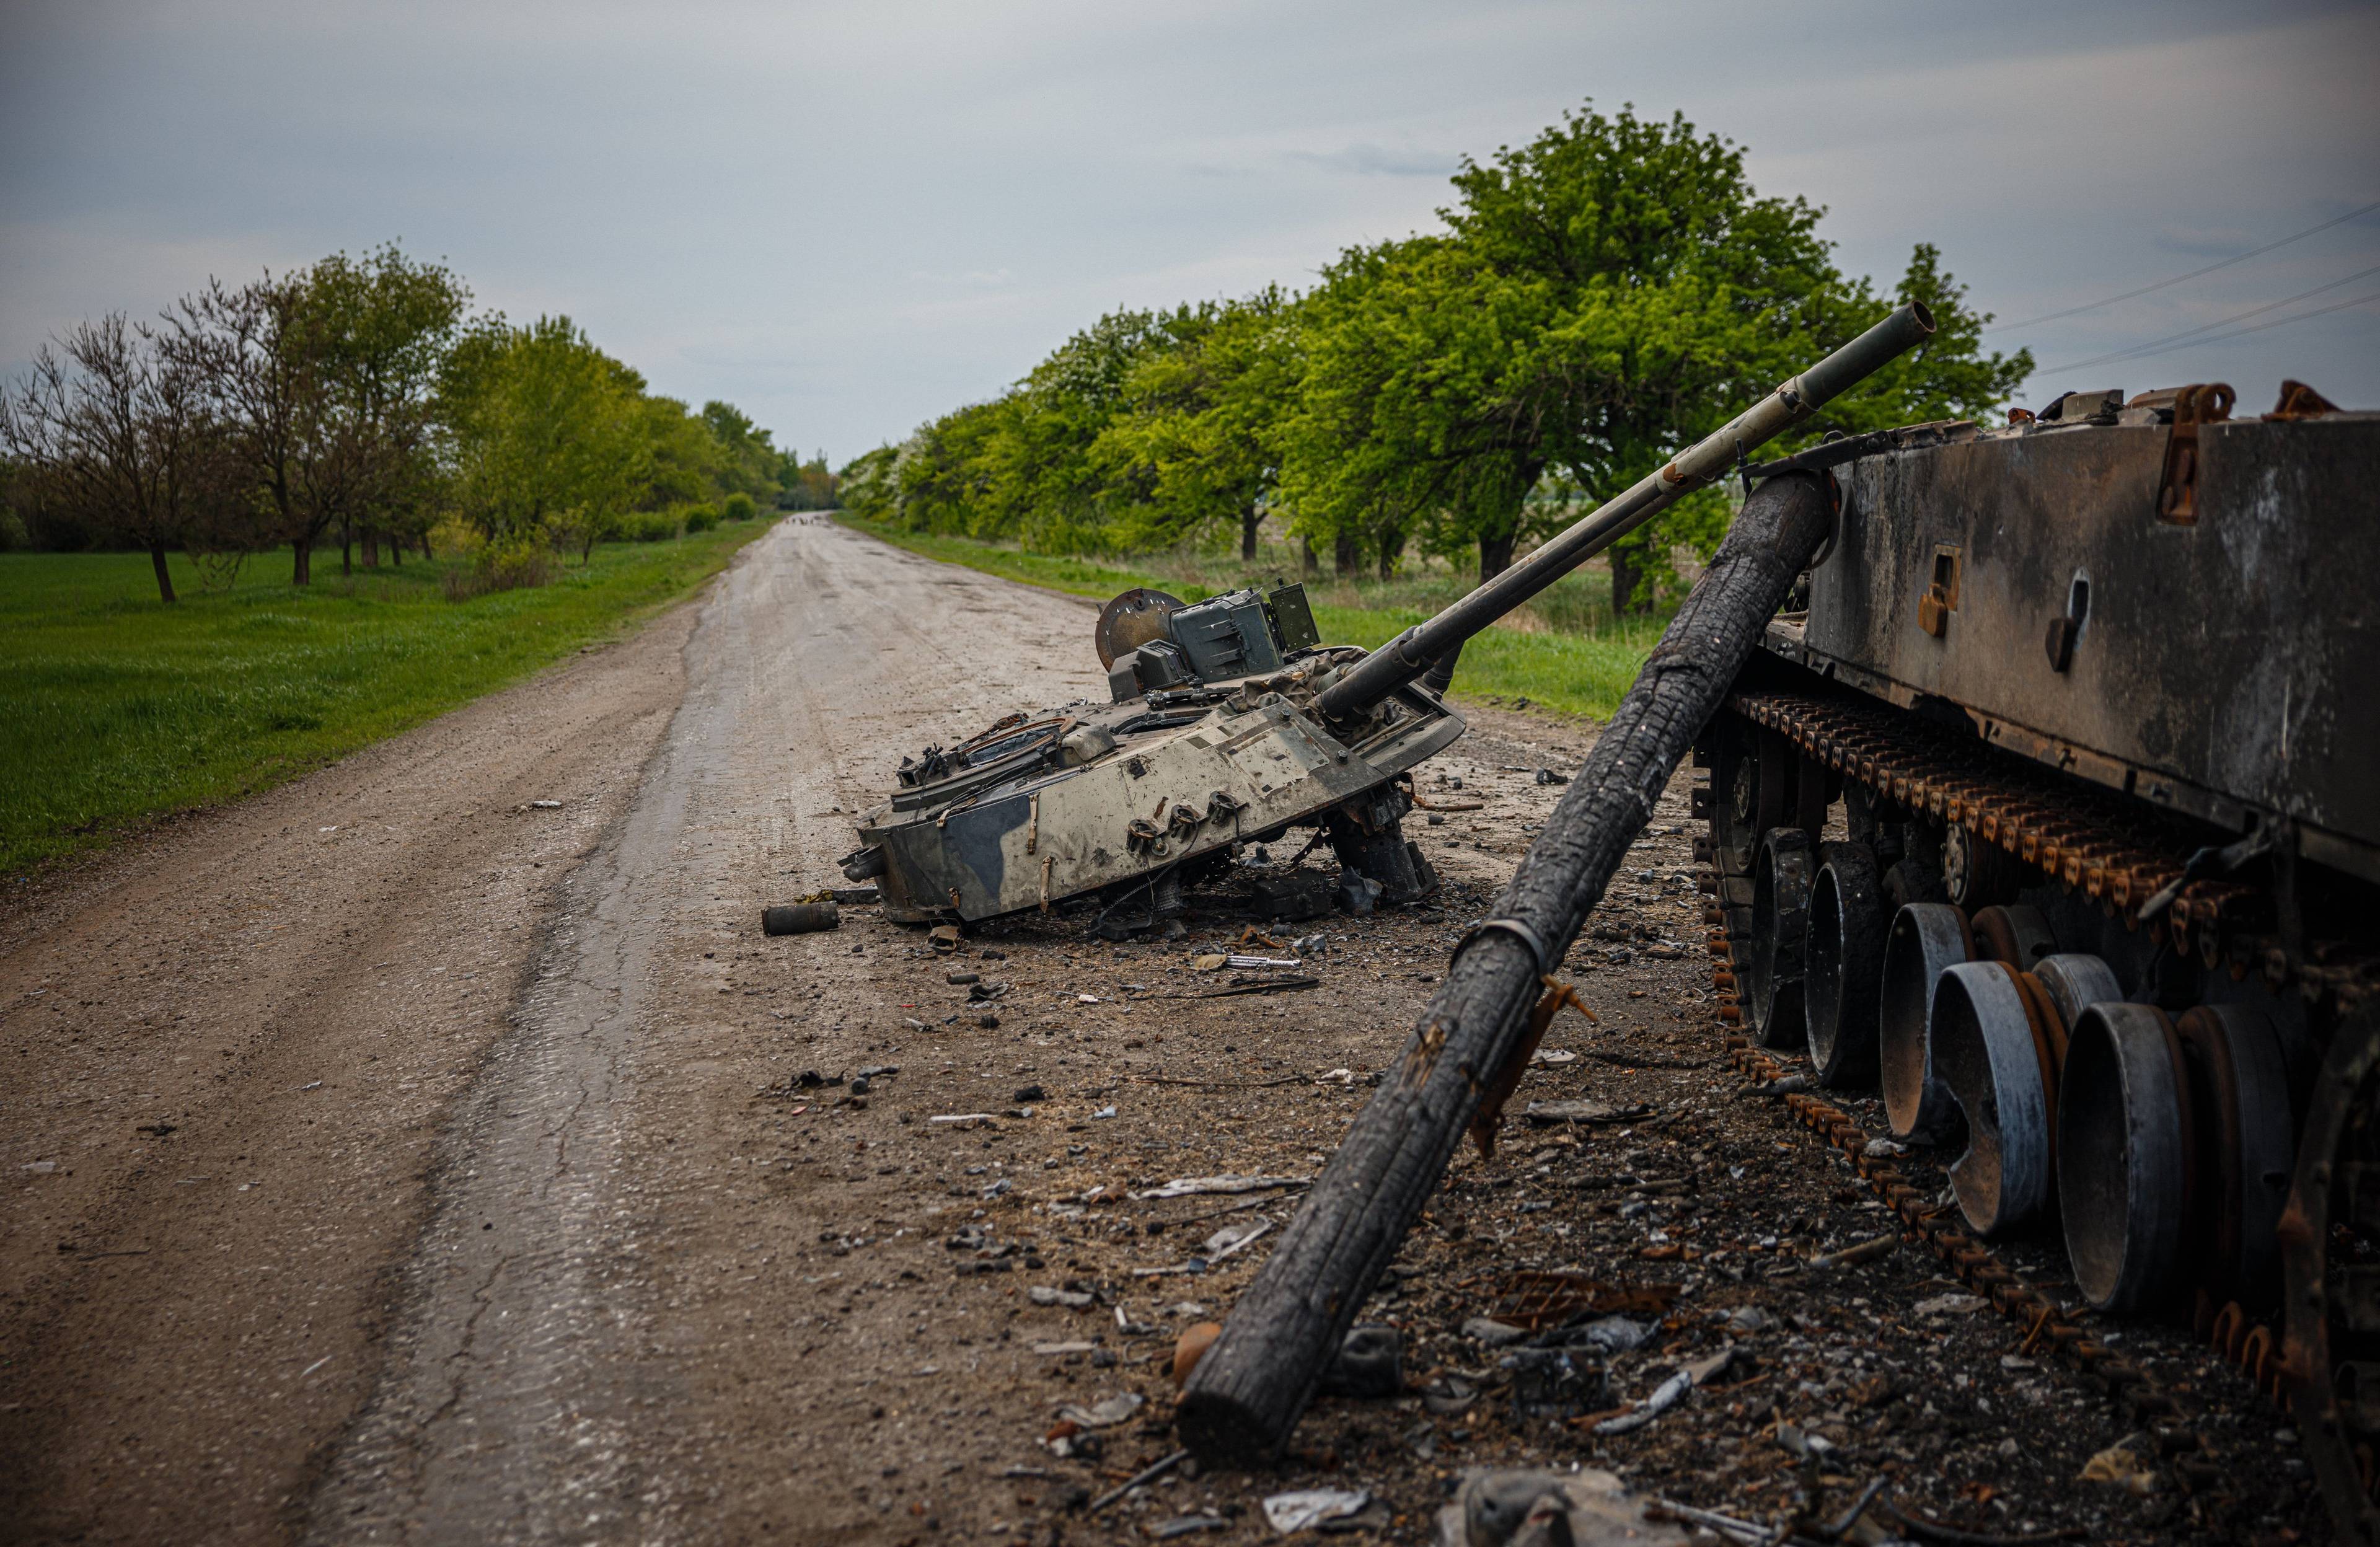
(2113, 850)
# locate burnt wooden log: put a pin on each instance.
(1252, 1384)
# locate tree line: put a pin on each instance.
(1600, 297)
(361, 401)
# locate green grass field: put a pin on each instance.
(121, 709)
(1580, 672)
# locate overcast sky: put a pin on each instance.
(847, 218)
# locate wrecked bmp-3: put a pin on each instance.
(1233, 722)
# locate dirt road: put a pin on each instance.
(392, 1158)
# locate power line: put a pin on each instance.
(2191, 335)
(2162, 284)
(2258, 328)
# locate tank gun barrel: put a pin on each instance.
(1411, 653)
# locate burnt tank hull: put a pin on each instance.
(2219, 669)
(2070, 742)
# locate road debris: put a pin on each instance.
(810, 918)
(1186, 1187)
(1104, 1414)
(1551, 1114)
(1531, 1508)
(2121, 1464)
(1370, 1364)
(1851, 1256)
(1950, 1305)
(1140, 1478)
(1304, 1510)
(1194, 1340)
(1670, 1393)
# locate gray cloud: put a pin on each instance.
(1375, 161)
(849, 216)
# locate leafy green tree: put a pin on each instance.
(941, 474)
(1361, 458)
(871, 483)
(810, 485)
(376, 330)
(749, 463)
(1625, 289)
(685, 462)
(550, 436)
(1040, 474)
(1194, 438)
(1601, 297)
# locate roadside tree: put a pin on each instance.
(376, 333)
(548, 435)
(116, 432)
(1195, 440)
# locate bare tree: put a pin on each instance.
(232, 338)
(117, 432)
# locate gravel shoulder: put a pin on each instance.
(515, 1203)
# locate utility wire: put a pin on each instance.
(2255, 327)
(2190, 335)
(2162, 284)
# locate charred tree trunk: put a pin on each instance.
(1249, 1390)
(1495, 556)
(165, 576)
(1250, 519)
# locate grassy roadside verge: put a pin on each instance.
(121, 711)
(1565, 673)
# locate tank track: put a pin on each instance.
(2118, 853)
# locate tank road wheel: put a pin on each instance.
(1780, 917)
(2124, 1156)
(1925, 942)
(2330, 1253)
(1748, 790)
(1842, 960)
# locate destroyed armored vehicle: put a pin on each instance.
(1231, 724)
(2053, 808)
(1209, 743)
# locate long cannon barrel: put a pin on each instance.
(1411, 653)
